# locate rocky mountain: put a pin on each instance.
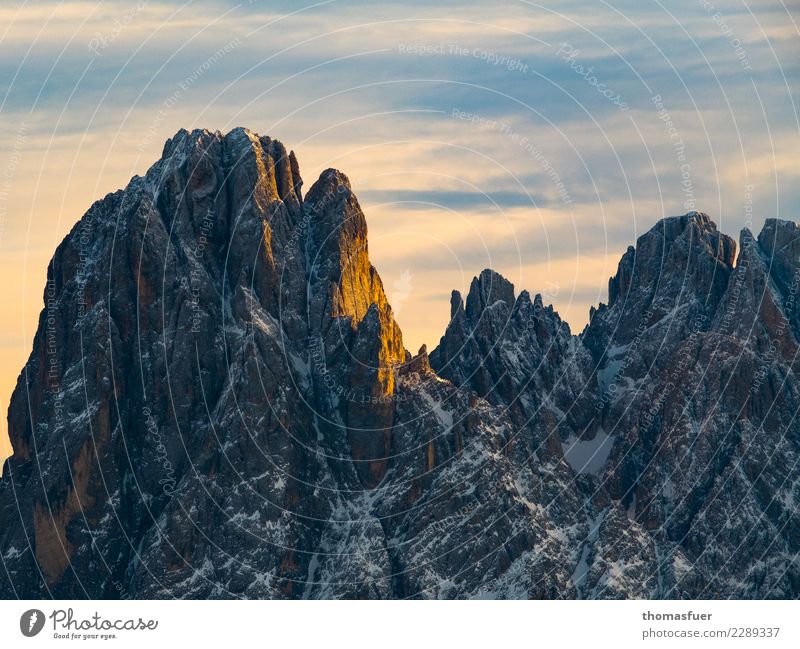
(219, 404)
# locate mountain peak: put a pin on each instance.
(274, 169)
(333, 178)
(779, 235)
(487, 289)
(224, 344)
(670, 228)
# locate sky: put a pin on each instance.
(538, 140)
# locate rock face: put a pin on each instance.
(218, 403)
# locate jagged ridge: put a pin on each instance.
(238, 416)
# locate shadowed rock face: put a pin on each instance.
(218, 403)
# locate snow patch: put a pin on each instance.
(588, 456)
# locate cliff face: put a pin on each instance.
(218, 403)
(5, 450)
